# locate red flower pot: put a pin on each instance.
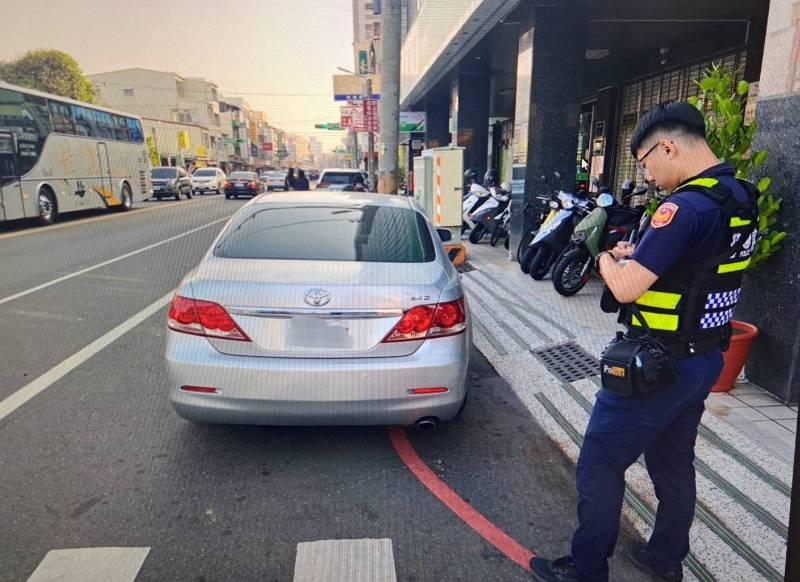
(736, 356)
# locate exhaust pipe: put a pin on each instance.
(427, 424)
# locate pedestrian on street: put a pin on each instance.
(357, 184)
(301, 182)
(676, 292)
(289, 181)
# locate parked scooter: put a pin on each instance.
(554, 235)
(475, 197)
(488, 203)
(604, 227)
(503, 221)
(491, 216)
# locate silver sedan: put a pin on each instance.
(320, 308)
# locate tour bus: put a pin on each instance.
(58, 155)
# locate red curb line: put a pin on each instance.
(512, 549)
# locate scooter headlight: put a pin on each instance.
(554, 205)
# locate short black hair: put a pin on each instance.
(676, 115)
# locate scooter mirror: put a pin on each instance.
(557, 175)
(605, 200)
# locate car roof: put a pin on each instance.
(310, 197)
(343, 170)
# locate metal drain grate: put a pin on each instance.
(568, 361)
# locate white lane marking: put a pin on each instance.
(108, 262)
(345, 561)
(40, 384)
(136, 212)
(90, 565)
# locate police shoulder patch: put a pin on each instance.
(664, 215)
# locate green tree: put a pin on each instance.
(50, 71)
(723, 103)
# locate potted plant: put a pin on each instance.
(723, 103)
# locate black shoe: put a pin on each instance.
(560, 570)
(641, 557)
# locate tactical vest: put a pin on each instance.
(694, 302)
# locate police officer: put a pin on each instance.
(680, 284)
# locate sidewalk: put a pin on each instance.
(546, 346)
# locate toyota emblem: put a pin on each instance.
(317, 297)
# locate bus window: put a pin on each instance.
(85, 122)
(36, 109)
(62, 118)
(121, 128)
(27, 117)
(105, 125)
(135, 128)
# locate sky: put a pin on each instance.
(277, 54)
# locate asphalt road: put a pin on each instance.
(99, 459)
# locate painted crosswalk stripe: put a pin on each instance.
(90, 565)
(345, 561)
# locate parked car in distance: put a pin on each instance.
(170, 181)
(275, 180)
(312, 175)
(208, 180)
(339, 179)
(243, 184)
(320, 308)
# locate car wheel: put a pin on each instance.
(189, 194)
(178, 194)
(48, 211)
(219, 190)
(127, 199)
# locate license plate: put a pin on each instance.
(240, 185)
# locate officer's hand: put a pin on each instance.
(623, 250)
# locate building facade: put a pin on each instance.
(178, 114)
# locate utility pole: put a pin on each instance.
(390, 94)
(370, 137)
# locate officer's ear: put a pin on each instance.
(669, 148)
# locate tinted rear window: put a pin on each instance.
(205, 173)
(164, 172)
(328, 233)
(338, 177)
(242, 176)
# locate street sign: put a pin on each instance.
(371, 115)
(351, 87)
(346, 116)
(334, 126)
(183, 140)
(412, 121)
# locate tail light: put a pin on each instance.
(197, 317)
(227, 183)
(430, 321)
(253, 184)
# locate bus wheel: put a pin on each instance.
(48, 212)
(127, 199)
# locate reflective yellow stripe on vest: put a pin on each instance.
(657, 321)
(737, 222)
(733, 267)
(659, 299)
(704, 182)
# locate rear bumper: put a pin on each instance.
(245, 191)
(287, 391)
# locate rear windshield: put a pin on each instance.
(338, 177)
(328, 233)
(205, 173)
(164, 172)
(242, 176)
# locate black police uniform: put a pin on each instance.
(699, 243)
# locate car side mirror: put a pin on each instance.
(445, 234)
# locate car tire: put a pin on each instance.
(48, 210)
(189, 194)
(227, 196)
(127, 199)
(178, 194)
(219, 190)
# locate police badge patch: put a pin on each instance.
(664, 215)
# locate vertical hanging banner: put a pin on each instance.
(371, 120)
